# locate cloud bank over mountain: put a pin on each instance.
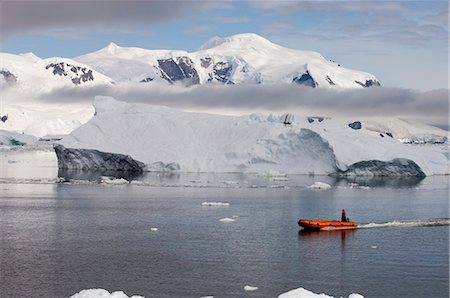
(430, 107)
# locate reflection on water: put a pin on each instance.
(21, 165)
(327, 236)
(69, 175)
(393, 182)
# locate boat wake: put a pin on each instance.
(435, 222)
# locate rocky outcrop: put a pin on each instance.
(223, 71)
(355, 125)
(398, 167)
(305, 80)
(77, 74)
(369, 83)
(90, 159)
(8, 76)
(183, 71)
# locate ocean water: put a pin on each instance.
(59, 236)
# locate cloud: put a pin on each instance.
(439, 18)
(429, 107)
(288, 7)
(39, 16)
(231, 19)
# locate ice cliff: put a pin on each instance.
(140, 137)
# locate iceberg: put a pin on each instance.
(303, 293)
(137, 137)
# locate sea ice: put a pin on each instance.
(303, 293)
(319, 185)
(113, 181)
(226, 219)
(101, 293)
(215, 204)
(250, 288)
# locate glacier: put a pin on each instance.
(140, 137)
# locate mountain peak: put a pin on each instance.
(111, 48)
(244, 39)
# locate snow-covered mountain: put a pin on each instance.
(123, 136)
(31, 74)
(242, 58)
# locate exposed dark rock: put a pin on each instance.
(190, 73)
(389, 134)
(355, 125)
(90, 159)
(222, 72)
(381, 135)
(205, 62)
(8, 76)
(398, 167)
(184, 70)
(330, 81)
(146, 80)
(4, 118)
(74, 71)
(305, 80)
(372, 83)
(368, 83)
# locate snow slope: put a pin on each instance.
(168, 139)
(242, 58)
(44, 118)
(29, 73)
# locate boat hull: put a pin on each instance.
(327, 224)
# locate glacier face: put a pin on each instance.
(155, 138)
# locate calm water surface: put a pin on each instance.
(59, 238)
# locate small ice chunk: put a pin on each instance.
(101, 293)
(250, 288)
(226, 219)
(113, 181)
(303, 293)
(153, 229)
(374, 246)
(230, 182)
(215, 204)
(319, 185)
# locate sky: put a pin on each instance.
(403, 43)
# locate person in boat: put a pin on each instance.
(344, 216)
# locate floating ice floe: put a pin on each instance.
(112, 180)
(250, 288)
(215, 204)
(374, 247)
(319, 185)
(227, 219)
(154, 229)
(303, 293)
(230, 183)
(101, 293)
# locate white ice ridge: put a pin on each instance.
(303, 293)
(166, 139)
(215, 204)
(101, 293)
(405, 224)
